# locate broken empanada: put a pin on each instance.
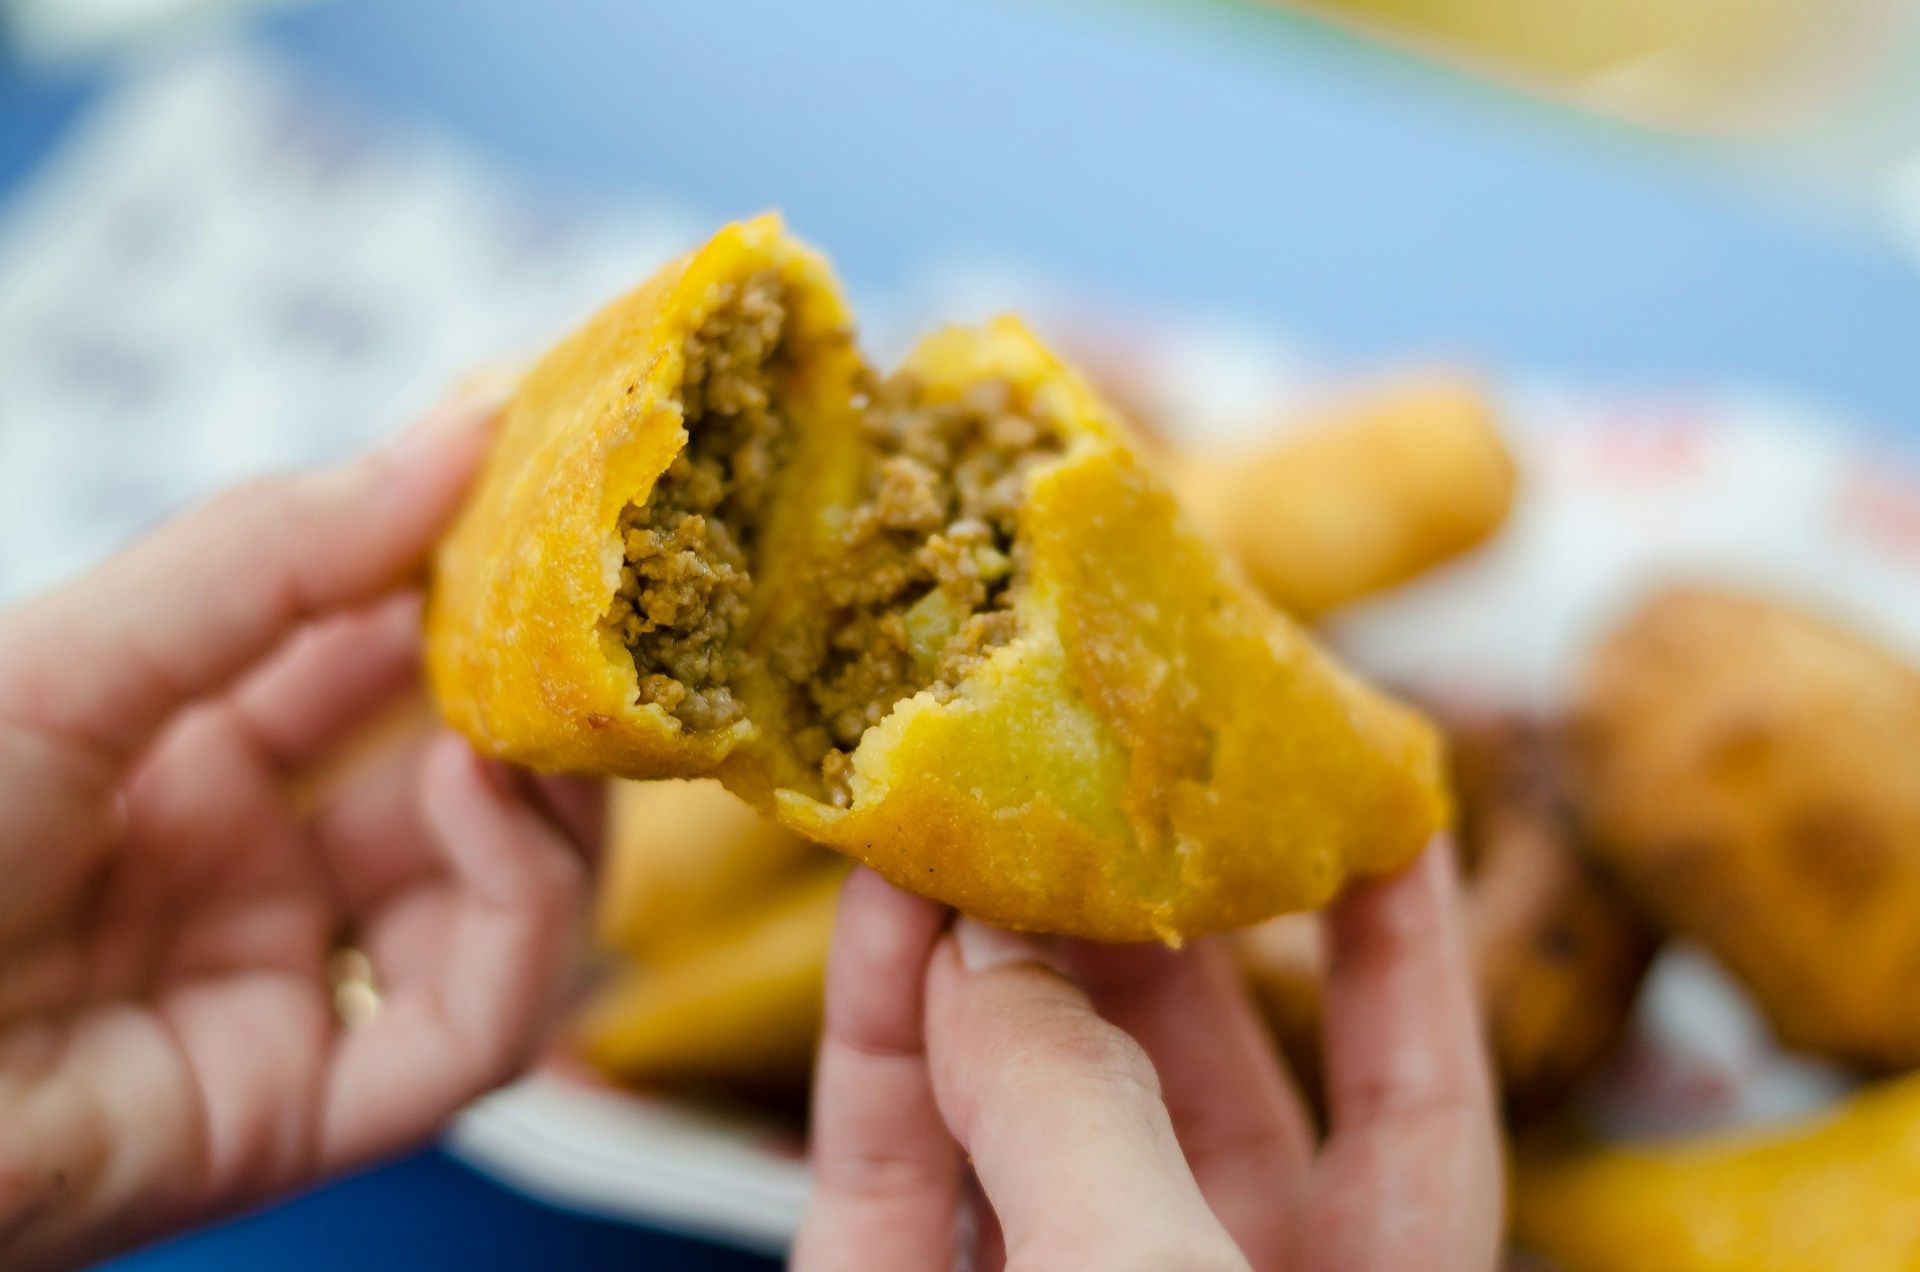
(947, 621)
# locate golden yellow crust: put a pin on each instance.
(1157, 753)
(517, 652)
(1154, 753)
(1840, 1193)
(1752, 775)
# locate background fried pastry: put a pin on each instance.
(681, 856)
(1369, 494)
(1752, 776)
(1837, 1193)
(736, 1008)
(1558, 956)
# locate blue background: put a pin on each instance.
(1190, 152)
(1203, 154)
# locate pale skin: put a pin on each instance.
(169, 1046)
(183, 859)
(1033, 1105)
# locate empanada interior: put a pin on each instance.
(897, 544)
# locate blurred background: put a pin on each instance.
(237, 236)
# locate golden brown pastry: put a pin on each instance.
(680, 856)
(948, 622)
(1836, 1193)
(737, 1007)
(1558, 957)
(1373, 493)
(1752, 775)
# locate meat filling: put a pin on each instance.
(686, 575)
(922, 584)
(930, 563)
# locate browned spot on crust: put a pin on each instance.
(1839, 854)
(1740, 748)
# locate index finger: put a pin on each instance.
(886, 1175)
(98, 667)
(1410, 1176)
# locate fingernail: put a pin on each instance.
(984, 948)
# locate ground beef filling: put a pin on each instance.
(920, 588)
(685, 579)
(930, 565)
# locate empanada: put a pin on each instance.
(948, 621)
(1751, 775)
(1373, 492)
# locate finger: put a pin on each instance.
(331, 679)
(96, 669)
(577, 805)
(211, 838)
(370, 827)
(1402, 1030)
(467, 1014)
(203, 792)
(886, 1175)
(1239, 1119)
(367, 818)
(384, 861)
(983, 1247)
(366, 812)
(1061, 1114)
(197, 807)
(1411, 1175)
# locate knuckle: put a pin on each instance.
(1418, 1107)
(876, 1172)
(1085, 1051)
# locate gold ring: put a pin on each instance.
(356, 993)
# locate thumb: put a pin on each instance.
(1062, 1115)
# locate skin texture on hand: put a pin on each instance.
(1121, 1107)
(169, 1047)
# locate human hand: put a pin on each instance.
(169, 1044)
(1122, 1107)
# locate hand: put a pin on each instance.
(1122, 1107)
(169, 1044)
